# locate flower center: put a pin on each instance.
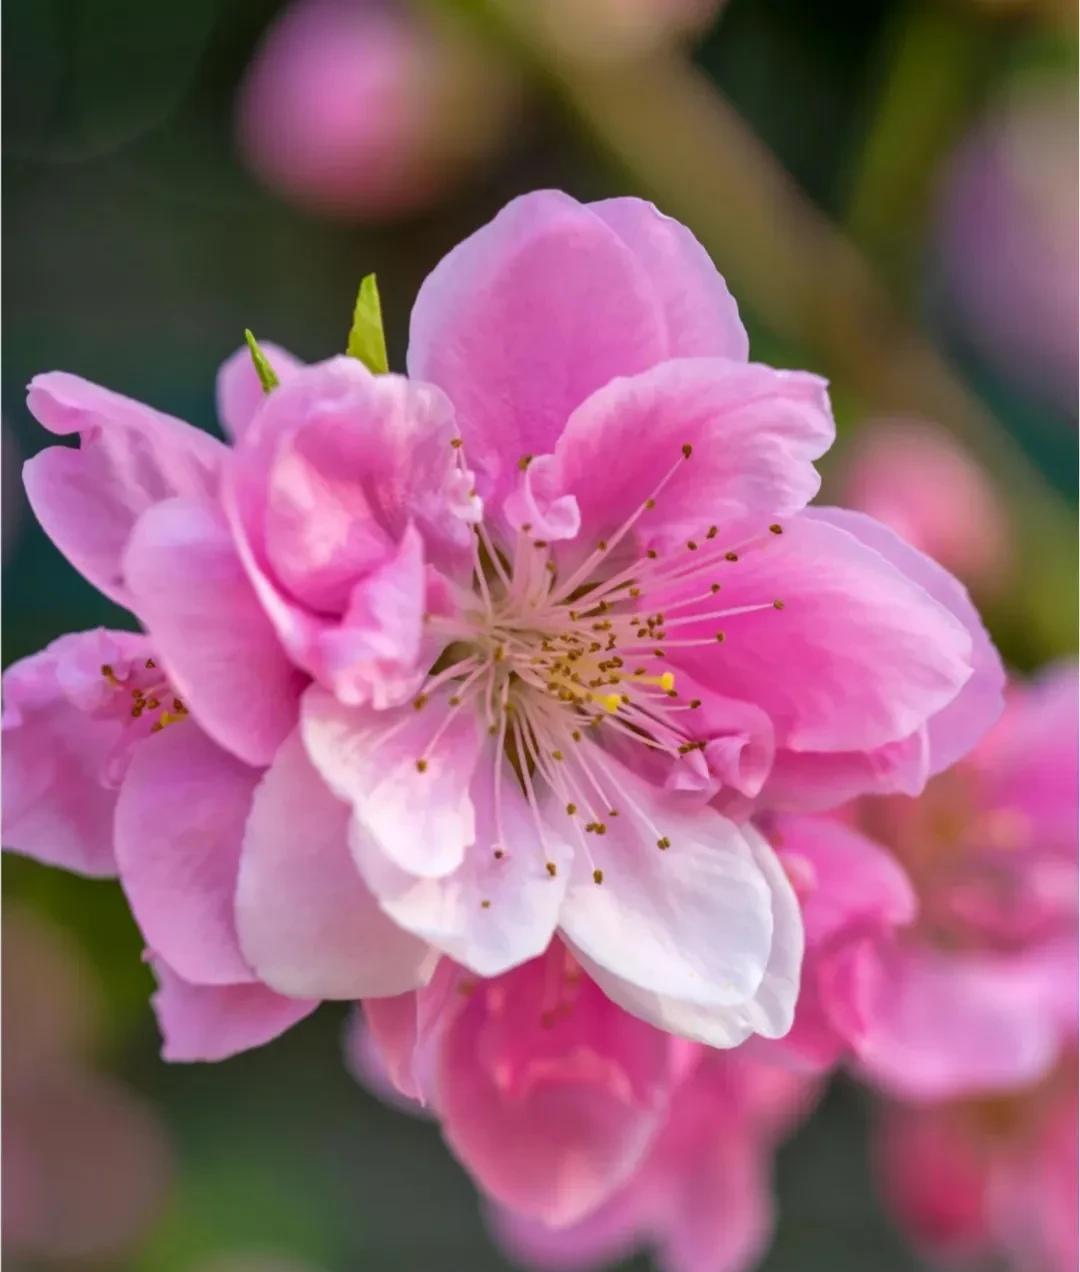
(559, 658)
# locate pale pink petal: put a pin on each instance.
(754, 434)
(952, 1023)
(308, 924)
(60, 775)
(501, 905)
(222, 655)
(410, 797)
(214, 1022)
(607, 1235)
(768, 1009)
(549, 1107)
(867, 655)
(526, 318)
(954, 729)
(406, 1029)
(179, 822)
(700, 313)
(238, 391)
(130, 457)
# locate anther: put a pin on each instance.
(778, 604)
(485, 904)
(731, 556)
(720, 638)
(664, 843)
(150, 664)
(571, 809)
(714, 588)
(712, 532)
(687, 450)
(421, 766)
(551, 868)
(419, 701)
(499, 854)
(598, 876)
(776, 529)
(650, 504)
(524, 462)
(456, 443)
(691, 545)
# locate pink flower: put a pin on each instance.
(360, 108)
(702, 1198)
(979, 994)
(922, 484)
(588, 1131)
(518, 641)
(990, 1179)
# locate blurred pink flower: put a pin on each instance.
(471, 658)
(589, 1131)
(925, 486)
(1008, 238)
(979, 995)
(994, 1179)
(364, 108)
(86, 1164)
(702, 1199)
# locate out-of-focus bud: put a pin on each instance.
(365, 110)
(1007, 238)
(920, 481)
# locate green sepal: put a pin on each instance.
(263, 369)
(367, 341)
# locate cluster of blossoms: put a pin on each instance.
(515, 698)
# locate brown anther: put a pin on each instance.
(137, 711)
(419, 701)
(499, 854)
(150, 664)
(557, 755)
(651, 553)
(571, 809)
(524, 462)
(551, 868)
(664, 843)
(687, 450)
(456, 443)
(714, 588)
(421, 766)
(152, 703)
(526, 526)
(695, 703)
(776, 529)
(156, 728)
(778, 604)
(576, 735)
(712, 532)
(613, 812)
(602, 546)
(658, 653)
(635, 591)
(455, 701)
(598, 876)
(600, 828)
(691, 545)
(540, 543)
(720, 638)
(731, 556)
(107, 671)
(485, 905)
(650, 504)
(177, 705)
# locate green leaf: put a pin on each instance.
(366, 339)
(263, 369)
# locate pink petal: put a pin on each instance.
(130, 457)
(754, 433)
(179, 823)
(491, 913)
(700, 313)
(214, 1022)
(239, 393)
(421, 820)
(59, 787)
(867, 656)
(550, 1108)
(816, 781)
(526, 318)
(308, 925)
(222, 655)
(954, 729)
(692, 922)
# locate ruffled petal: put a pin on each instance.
(191, 592)
(214, 1022)
(179, 823)
(308, 924)
(130, 457)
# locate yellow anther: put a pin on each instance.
(612, 701)
(598, 876)
(667, 681)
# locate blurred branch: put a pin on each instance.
(668, 127)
